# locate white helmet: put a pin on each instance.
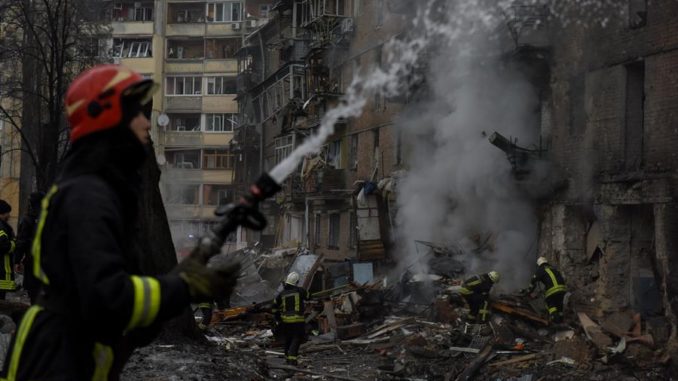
(541, 261)
(494, 276)
(292, 278)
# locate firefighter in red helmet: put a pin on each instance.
(96, 305)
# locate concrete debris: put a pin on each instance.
(594, 332)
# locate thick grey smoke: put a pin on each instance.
(458, 185)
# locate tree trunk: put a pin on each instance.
(158, 254)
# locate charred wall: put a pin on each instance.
(613, 117)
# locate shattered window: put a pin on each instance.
(333, 239)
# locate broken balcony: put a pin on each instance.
(527, 23)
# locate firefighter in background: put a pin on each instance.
(7, 245)
(554, 286)
(476, 292)
(289, 315)
(97, 305)
(24, 241)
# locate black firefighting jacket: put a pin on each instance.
(97, 305)
(7, 245)
(551, 278)
(480, 284)
(289, 304)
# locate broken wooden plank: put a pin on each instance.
(594, 332)
(514, 360)
(328, 310)
(473, 367)
(519, 312)
(366, 342)
(462, 349)
(389, 327)
(306, 371)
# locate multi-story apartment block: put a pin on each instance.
(189, 47)
(292, 71)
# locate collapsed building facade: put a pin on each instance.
(607, 125)
(292, 71)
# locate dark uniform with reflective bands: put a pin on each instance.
(289, 312)
(7, 245)
(476, 291)
(554, 295)
(97, 307)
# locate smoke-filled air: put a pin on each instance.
(458, 189)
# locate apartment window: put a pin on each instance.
(221, 85)
(283, 147)
(132, 48)
(264, 9)
(333, 236)
(333, 157)
(316, 229)
(143, 13)
(186, 49)
(353, 152)
(225, 11)
(379, 13)
(216, 194)
(217, 159)
(183, 86)
(634, 115)
(183, 159)
(184, 122)
(221, 48)
(221, 122)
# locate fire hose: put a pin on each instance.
(243, 213)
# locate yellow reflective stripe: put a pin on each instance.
(7, 283)
(146, 301)
(553, 309)
(12, 246)
(37, 241)
(24, 328)
(103, 360)
(8, 267)
(474, 283)
(2, 233)
(553, 290)
(290, 357)
(556, 287)
(465, 291)
(293, 319)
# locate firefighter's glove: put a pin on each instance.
(206, 284)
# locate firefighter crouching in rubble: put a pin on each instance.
(555, 288)
(476, 292)
(97, 306)
(288, 309)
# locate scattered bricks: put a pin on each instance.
(575, 348)
(350, 331)
(444, 313)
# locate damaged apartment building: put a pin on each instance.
(607, 125)
(291, 71)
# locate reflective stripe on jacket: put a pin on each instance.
(551, 278)
(290, 304)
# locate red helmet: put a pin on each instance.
(94, 99)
